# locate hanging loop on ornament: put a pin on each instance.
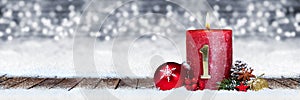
(186, 65)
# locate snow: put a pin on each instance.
(146, 94)
(134, 58)
(274, 58)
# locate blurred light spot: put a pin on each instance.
(279, 13)
(266, 3)
(8, 31)
(107, 38)
(56, 38)
(71, 7)
(1, 34)
(259, 14)
(9, 38)
(297, 17)
(192, 18)
(228, 8)
(153, 37)
(125, 14)
(251, 7)
(59, 8)
(216, 7)
(278, 38)
(156, 8)
(169, 7)
(279, 30)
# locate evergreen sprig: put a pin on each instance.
(228, 84)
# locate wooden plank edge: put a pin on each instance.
(282, 83)
(117, 83)
(57, 83)
(17, 83)
(38, 83)
(76, 84)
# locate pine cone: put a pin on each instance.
(237, 68)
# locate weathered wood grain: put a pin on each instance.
(89, 83)
(295, 79)
(49, 83)
(273, 84)
(76, 83)
(108, 83)
(12, 82)
(112, 83)
(145, 83)
(29, 82)
(68, 83)
(288, 83)
(3, 78)
(128, 83)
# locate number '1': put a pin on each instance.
(205, 51)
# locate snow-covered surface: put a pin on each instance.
(136, 58)
(274, 58)
(146, 94)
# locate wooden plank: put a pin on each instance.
(293, 82)
(37, 83)
(3, 78)
(75, 84)
(145, 83)
(49, 83)
(116, 84)
(296, 79)
(111, 83)
(89, 83)
(30, 82)
(12, 82)
(68, 83)
(274, 84)
(286, 82)
(128, 83)
(297, 82)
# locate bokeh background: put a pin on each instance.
(37, 35)
(56, 19)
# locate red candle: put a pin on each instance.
(209, 53)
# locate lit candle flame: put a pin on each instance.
(207, 25)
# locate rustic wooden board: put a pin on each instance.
(89, 83)
(128, 83)
(68, 83)
(112, 83)
(29, 83)
(295, 79)
(108, 83)
(145, 83)
(12, 82)
(3, 78)
(273, 84)
(49, 83)
(76, 83)
(288, 83)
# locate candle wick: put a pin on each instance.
(207, 23)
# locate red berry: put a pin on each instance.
(187, 81)
(194, 86)
(201, 85)
(188, 87)
(194, 80)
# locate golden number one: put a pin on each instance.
(204, 51)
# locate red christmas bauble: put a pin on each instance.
(169, 75)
